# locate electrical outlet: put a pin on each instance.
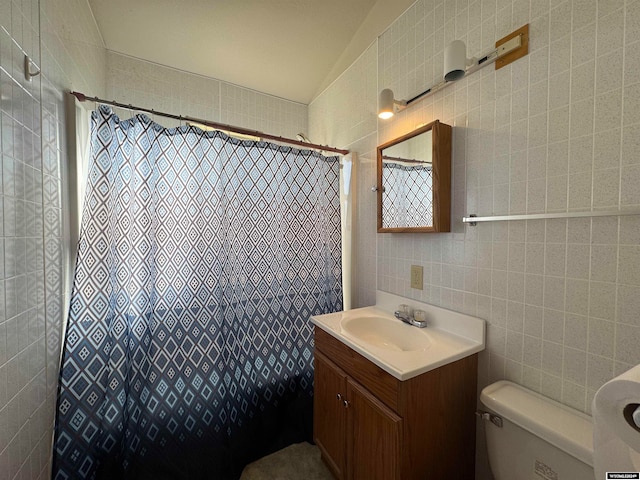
(416, 277)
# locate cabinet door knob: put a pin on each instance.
(346, 403)
(339, 397)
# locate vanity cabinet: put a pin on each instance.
(330, 413)
(370, 425)
(354, 430)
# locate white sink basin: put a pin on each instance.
(403, 350)
(386, 333)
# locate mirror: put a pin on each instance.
(414, 181)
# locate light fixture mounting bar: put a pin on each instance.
(510, 46)
(513, 54)
(432, 89)
(507, 50)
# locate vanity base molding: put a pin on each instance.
(370, 425)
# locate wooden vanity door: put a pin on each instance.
(329, 418)
(374, 433)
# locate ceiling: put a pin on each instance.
(287, 48)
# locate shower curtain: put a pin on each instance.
(189, 349)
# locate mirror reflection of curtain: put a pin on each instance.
(407, 196)
(189, 349)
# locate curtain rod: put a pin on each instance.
(220, 126)
(408, 160)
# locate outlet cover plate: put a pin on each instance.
(416, 277)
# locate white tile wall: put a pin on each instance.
(555, 131)
(345, 115)
(153, 86)
(64, 42)
(22, 326)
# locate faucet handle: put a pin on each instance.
(420, 315)
(404, 308)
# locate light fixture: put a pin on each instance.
(456, 61)
(457, 66)
(387, 105)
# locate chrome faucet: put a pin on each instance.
(409, 318)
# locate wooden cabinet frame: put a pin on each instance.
(441, 175)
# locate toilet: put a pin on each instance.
(530, 436)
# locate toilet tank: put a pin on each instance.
(539, 439)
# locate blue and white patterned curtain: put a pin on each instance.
(189, 347)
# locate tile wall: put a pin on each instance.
(344, 115)
(23, 410)
(63, 41)
(166, 89)
(555, 131)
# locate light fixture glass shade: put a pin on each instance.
(455, 61)
(385, 104)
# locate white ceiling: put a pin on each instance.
(287, 48)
